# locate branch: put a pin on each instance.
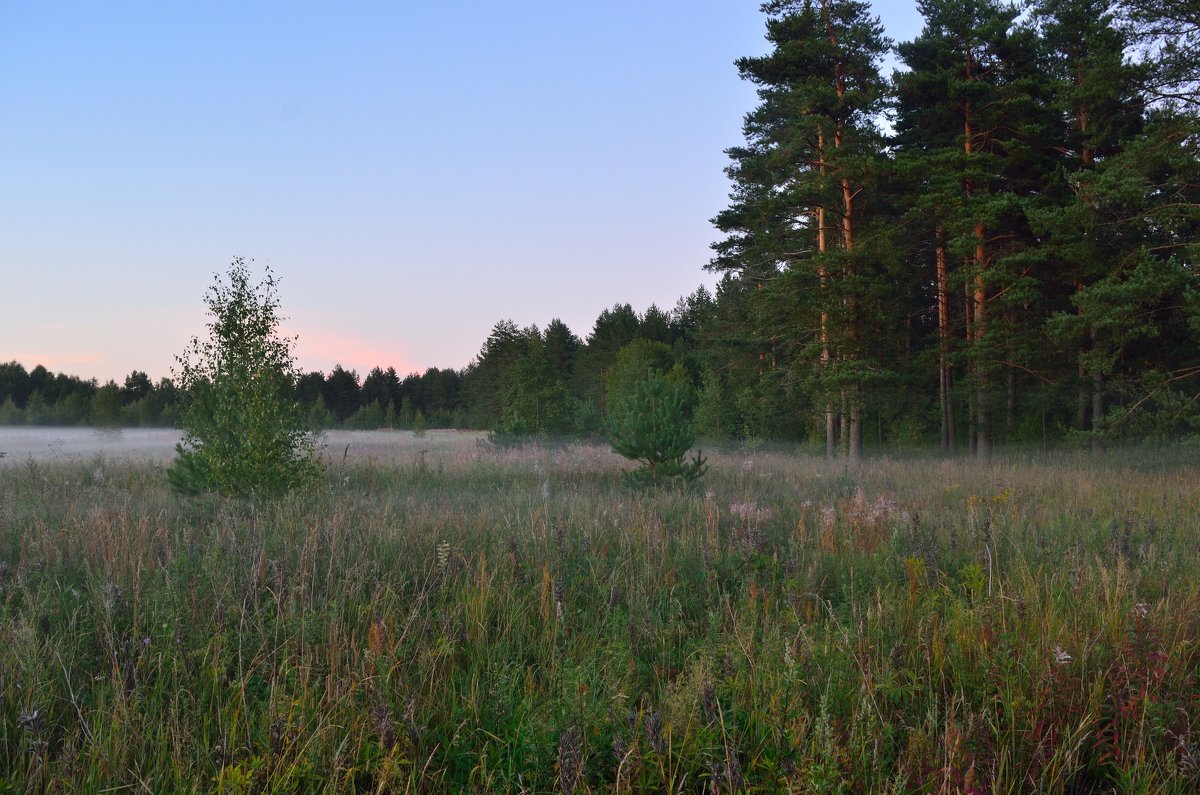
(1043, 378)
(1187, 372)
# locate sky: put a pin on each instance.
(412, 173)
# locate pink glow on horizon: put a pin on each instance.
(80, 365)
(319, 349)
(316, 349)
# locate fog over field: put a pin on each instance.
(23, 443)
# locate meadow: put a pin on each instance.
(447, 617)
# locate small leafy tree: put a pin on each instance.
(244, 432)
(106, 406)
(651, 426)
(9, 413)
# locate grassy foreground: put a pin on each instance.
(476, 621)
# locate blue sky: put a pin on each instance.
(412, 173)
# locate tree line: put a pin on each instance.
(42, 397)
(996, 244)
(523, 382)
(383, 399)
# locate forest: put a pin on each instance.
(995, 244)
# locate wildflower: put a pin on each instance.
(726, 776)
(860, 500)
(708, 702)
(220, 752)
(882, 509)
(570, 759)
(412, 730)
(1189, 755)
(443, 554)
(641, 632)
(619, 748)
(276, 736)
(384, 725)
(750, 511)
(1141, 610)
(33, 721)
(652, 724)
(1061, 656)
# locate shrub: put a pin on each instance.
(244, 433)
(651, 426)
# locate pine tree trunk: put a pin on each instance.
(1081, 392)
(854, 431)
(830, 431)
(983, 418)
(948, 430)
(1097, 401)
(968, 314)
(1087, 157)
(844, 421)
(856, 448)
(1010, 415)
(943, 304)
(1081, 397)
(983, 414)
(830, 427)
(822, 246)
(855, 442)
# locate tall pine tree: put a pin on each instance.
(971, 122)
(795, 223)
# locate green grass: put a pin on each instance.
(470, 621)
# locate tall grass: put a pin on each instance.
(521, 622)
